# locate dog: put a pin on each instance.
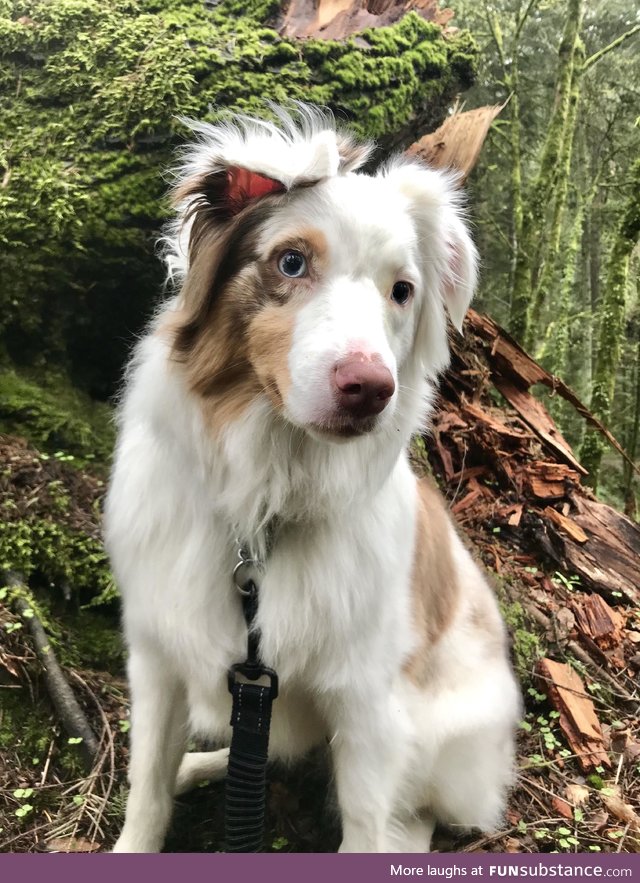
(275, 395)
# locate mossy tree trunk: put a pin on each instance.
(611, 327)
(549, 247)
(509, 62)
(632, 440)
(534, 221)
(558, 348)
(91, 96)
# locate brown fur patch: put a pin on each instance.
(233, 334)
(435, 590)
(317, 245)
(270, 335)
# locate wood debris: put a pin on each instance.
(578, 719)
(458, 142)
(600, 622)
(339, 19)
(571, 528)
(511, 468)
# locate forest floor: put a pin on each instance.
(574, 623)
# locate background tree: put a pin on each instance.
(569, 137)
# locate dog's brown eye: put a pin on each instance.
(292, 264)
(401, 292)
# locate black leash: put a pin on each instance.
(245, 793)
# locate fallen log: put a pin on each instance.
(512, 467)
(513, 368)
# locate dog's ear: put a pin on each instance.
(242, 160)
(223, 193)
(460, 277)
(353, 154)
(436, 205)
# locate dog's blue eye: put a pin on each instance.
(292, 264)
(401, 292)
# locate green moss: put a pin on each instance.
(54, 416)
(90, 98)
(57, 556)
(526, 644)
(27, 729)
(94, 641)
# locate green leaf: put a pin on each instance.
(23, 811)
(74, 740)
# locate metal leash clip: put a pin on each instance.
(247, 571)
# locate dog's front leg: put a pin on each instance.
(368, 752)
(158, 736)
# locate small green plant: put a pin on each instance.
(551, 741)
(25, 808)
(566, 839)
(569, 582)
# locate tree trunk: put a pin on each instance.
(632, 440)
(611, 326)
(550, 246)
(535, 209)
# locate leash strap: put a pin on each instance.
(245, 791)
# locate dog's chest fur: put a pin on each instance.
(334, 605)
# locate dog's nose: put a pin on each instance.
(362, 386)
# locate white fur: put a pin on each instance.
(335, 610)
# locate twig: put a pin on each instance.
(47, 762)
(64, 701)
(624, 837)
(616, 686)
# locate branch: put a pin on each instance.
(595, 58)
(64, 701)
(523, 18)
(496, 33)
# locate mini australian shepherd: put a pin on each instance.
(281, 386)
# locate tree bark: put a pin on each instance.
(549, 250)
(611, 326)
(540, 196)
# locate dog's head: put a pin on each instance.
(319, 288)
